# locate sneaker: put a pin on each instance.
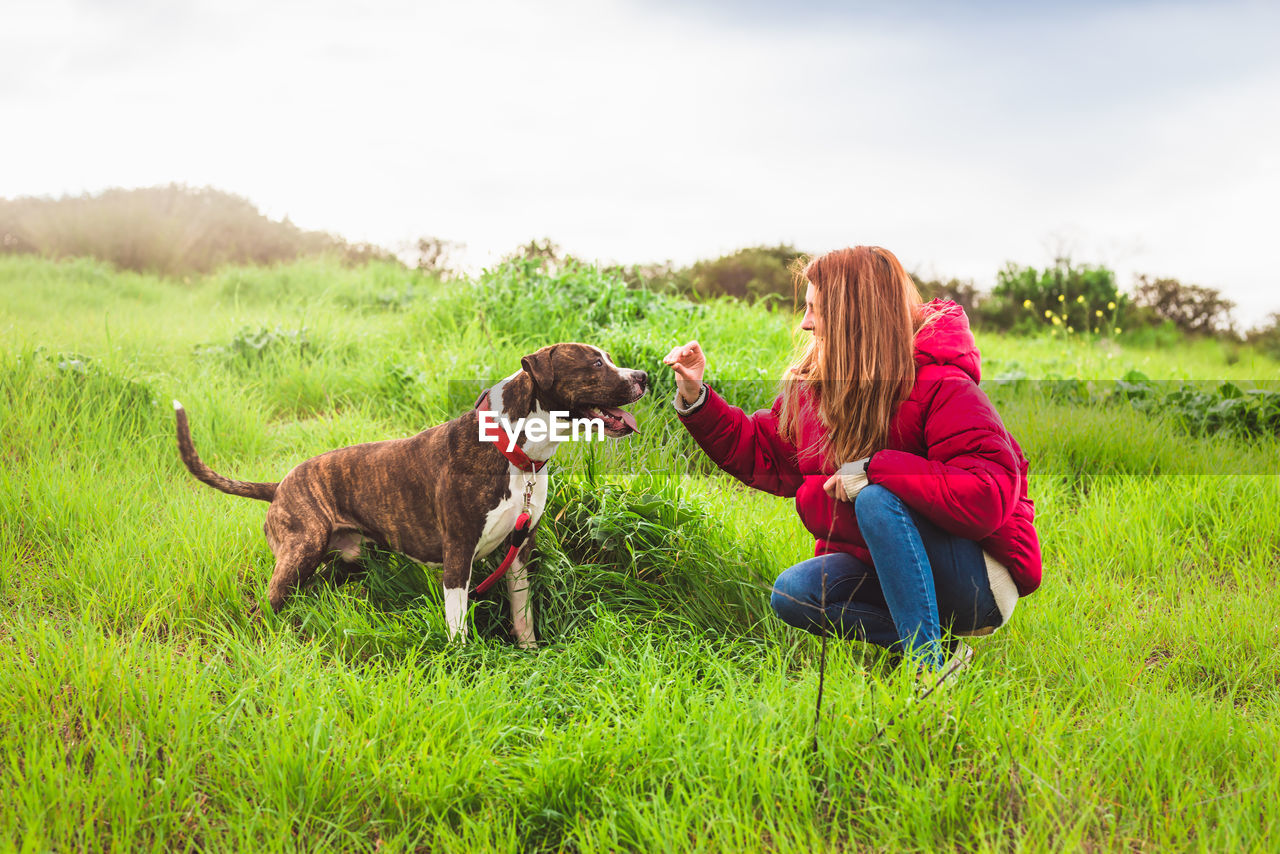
(944, 677)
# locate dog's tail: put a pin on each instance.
(195, 465)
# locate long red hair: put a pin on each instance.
(862, 367)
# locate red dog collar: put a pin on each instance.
(516, 455)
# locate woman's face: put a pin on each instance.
(810, 321)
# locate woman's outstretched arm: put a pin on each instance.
(749, 447)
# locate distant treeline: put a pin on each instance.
(173, 230)
(1069, 297)
(179, 230)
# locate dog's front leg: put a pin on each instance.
(456, 577)
(518, 595)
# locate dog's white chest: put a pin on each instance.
(501, 520)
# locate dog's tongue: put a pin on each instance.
(627, 418)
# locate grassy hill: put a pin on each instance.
(1132, 703)
(173, 230)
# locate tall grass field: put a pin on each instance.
(1132, 703)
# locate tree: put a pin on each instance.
(1192, 308)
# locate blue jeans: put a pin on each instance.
(924, 581)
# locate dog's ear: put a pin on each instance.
(538, 366)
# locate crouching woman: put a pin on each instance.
(898, 463)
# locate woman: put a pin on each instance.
(899, 465)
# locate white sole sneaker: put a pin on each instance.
(945, 676)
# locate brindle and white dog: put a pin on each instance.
(443, 496)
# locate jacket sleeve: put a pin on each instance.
(749, 447)
(970, 479)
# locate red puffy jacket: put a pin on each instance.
(948, 456)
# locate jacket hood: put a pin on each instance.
(946, 339)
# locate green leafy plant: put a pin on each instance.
(1024, 298)
(249, 346)
(1099, 321)
(1206, 409)
(526, 298)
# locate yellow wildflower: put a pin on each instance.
(1080, 299)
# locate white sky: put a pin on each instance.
(1139, 135)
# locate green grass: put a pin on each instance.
(1131, 704)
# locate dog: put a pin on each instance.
(446, 496)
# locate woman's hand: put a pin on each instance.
(848, 481)
(835, 488)
(689, 364)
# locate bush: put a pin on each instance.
(664, 277)
(1194, 309)
(434, 256)
(1267, 338)
(1023, 296)
(963, 293)
(171, 230)
(529, 300)
(1203, 409)
(1156, 336)
(754, 273)
(249, 347)
(647, 549)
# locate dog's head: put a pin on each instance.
(584, 381)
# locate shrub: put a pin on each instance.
(529, 300)
(1203, 408)
(545, 251)
(1267, 338)
(248, 348)
(664, 277)
(647, 549)
(433, 256)
(962, 292)
(1192, 308)
(754, 273)
(1023, 297)
(1152, 337)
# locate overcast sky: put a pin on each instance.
(1139, 135)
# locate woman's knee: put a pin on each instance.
(781, 600)
(874, 500)
(791, 597)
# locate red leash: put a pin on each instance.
(517, 457)
(518, 536)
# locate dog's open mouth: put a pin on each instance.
(617, 422)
